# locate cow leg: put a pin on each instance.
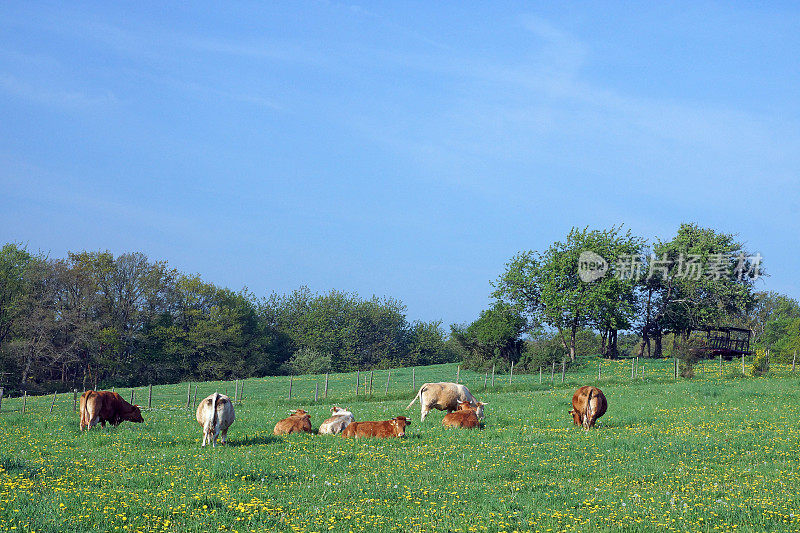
(224, 436)
(423, 413)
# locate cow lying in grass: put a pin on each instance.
(396, 427)
(298, 422)
(465, 417)
(588, 404)
(339, 420)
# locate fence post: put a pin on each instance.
(413, 381)
(291, 382)
(236, 391)
(189, 396)
(743, 364)
(553, 373)
(316, 391)
(24, 401)
(675, 364)
(794, 359)
(540, 374)
(720, 366)
(326, 385)
(388, 377)
(492, 375)
(458, 374)
(241, 390)
(194, 402)
(74, 399)
(358, 380)
(52, 404)
(563, 369)
(599, 370)
(485, 378)
(132, 396)
(370, 381)
(511, 374)
(632, 367)
(1, 398)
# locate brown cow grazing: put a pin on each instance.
(396, 427)
(106, 406)
(465, 417)
(298, 422)
(588, 404)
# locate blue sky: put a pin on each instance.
(399, 149)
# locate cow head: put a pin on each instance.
(134, 415)
(399, 424)
(299, 413)
(576, 417)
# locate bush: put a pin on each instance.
(308, 361)
(760, 363)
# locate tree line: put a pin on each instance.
(92, 318)
(631, 297)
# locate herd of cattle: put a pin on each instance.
(216, 414)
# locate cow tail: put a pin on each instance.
(421, 389)
(589, 410)
(215, 418)
(85, 413)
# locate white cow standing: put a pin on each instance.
(444, 397)
(215, 414)
(340, 419)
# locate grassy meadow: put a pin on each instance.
(717, 453)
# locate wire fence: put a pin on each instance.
(402, 383)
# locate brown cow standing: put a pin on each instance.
(588, 404)
(298, 422)
(465, 417)
(106, 406)
(396, 427)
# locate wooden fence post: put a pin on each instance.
(325, 394)
(24, 401)
(1, 398)
(241, 390)
(74, 399)
(720, 366)
(150, 396)
(131, 402)
(194, 402)
(370, 381)
(794, 359)
(236, 391)
(358, 380)
(540, 374)
(632, 367)
(388, 377)
(291, 382)
(485, 379)
(316, 391)
(553, 373)
(413, 381)
(511, 374)
(189, 396)
(563, 369)
(52, 404)
(492, 375)
(458, 373)
(743, 364)
(599, 370)
(675, 367)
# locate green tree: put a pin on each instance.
(495, 337)
(546, 287)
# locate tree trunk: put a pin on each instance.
(657, 351)
(612, 349)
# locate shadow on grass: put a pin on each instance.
(252, 441)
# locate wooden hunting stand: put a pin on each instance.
(726, 341)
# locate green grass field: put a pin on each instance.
(715, 453)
